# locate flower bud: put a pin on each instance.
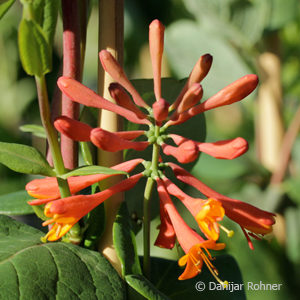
(112, 67)
(110, 141)
(160, 110)
(227, 149)
(75, 130)
(185, 153)
(156, 46)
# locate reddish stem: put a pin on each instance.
(71, 68)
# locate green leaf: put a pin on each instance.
(15, 203)
(31, 270)
(50, 19)
(4, 6)
(165, 277)
(89, 170)
(95, 226)
(34, 48)
(36, 130)
(145, 287)
(24, 159)
(124, 241)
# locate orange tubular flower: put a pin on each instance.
(207, 213)
(65, 212)
(46, 189)
(192, 243)
(249, 217)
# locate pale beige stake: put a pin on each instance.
(111, 18)
(270, 128)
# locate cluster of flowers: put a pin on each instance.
(65, 212)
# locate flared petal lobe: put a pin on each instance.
(46, 189)
(66, 212)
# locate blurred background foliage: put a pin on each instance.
(244, 36)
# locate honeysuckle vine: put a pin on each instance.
(157, 121)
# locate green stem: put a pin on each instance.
(51, 134)
(147, 202)
(146, 227)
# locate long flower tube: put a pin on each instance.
(191, 242)
(83, 95)
(46, 189)
(65, 212)
(81, 132)
(249, 217)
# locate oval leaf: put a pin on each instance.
(143, 286)
(124, 241)
(50, 19)
(89, 170)
(15, 204)
(34, 48)
(31, 270)
(36, 130)
(24, 159)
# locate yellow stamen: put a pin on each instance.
(58, 230)
(230, 233)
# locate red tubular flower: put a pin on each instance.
(185, 153)
(192, 243)
(112, 67)
(190, 98)
(81, 132)
(166, 237)
(234, 92)
(73, 129)
(226, 149)
(46, 189)
(65, 212)
(198, 73)
(82, 94)
(123, 99)
(156, 46)
(160, 110)
(249, 217)
(110, 141)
